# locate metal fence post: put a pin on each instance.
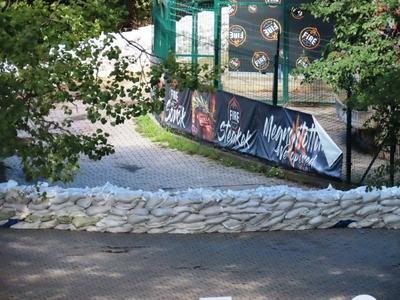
(348, 144)
(217, 42)
(276, 67)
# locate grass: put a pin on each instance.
(149, 128)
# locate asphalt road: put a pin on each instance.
(319, 264)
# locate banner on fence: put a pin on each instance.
(253, 34)
(285, 137)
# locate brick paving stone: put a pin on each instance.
(141, 164)
(317, 264)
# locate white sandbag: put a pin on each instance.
(352, 195)
(242, 217)
(391, 202)
(181, 209)
(366, 223)
(41, 206)
(48, 225)
(120, 229)
(127, 196)
(295, 213)
(118, 212)
(351, 210)
(111, 221)
(135, 219)
(170, 202)
(16, 196)
(277, 213)
(331, 211)
(214, 210)
(190, 227)
(97, 210)
(318, 220)
(14, 207)
(388, 209)
(251, 203)
(194, 218)
(124, 206)
(233, 225)
(255, 210)
(65, 196)
(258, 219)
(65, 227)
(179, 218)
(25, 225)
(347, 203)
(273, 221)
(304, 204)
(163, 212)
(391, 219)
(270, 199)
(373, 196)
(155, 222)
(328, 205)
(153, 203)
(369, 209)
(397, 211)
(140, 212)
(160, 230)
(55, 207)
(139, 229)
(284, 205)
(84, 202)
(215, 220)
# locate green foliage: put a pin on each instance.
(47, 62)
(363, 59)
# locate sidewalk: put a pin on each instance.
(140, 164)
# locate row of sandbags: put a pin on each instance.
(114, 209)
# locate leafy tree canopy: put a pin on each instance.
(49, 60)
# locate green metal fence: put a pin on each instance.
(199, 32)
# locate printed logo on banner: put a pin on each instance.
(272, 3)
(269, 29)
(175, 112)
(310, 38)
(297, 13)
(237, 35)
(260, 60)
(303, 62)
(230, 132)
(252, 9)
(232, 7)
(299, 145)
(234, 63)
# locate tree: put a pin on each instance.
(50, 58)
(363, 57)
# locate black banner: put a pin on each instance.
(178, 109)
(236, 125)
(253, 32)
(286, 137)
(296, 139)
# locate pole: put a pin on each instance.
(348, 140)
(393, 143)
(217, 42)
(276, 67)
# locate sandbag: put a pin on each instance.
(136, 219)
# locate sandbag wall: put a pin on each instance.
(113, 209)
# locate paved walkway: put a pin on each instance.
(319, 264)
(140, 164)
